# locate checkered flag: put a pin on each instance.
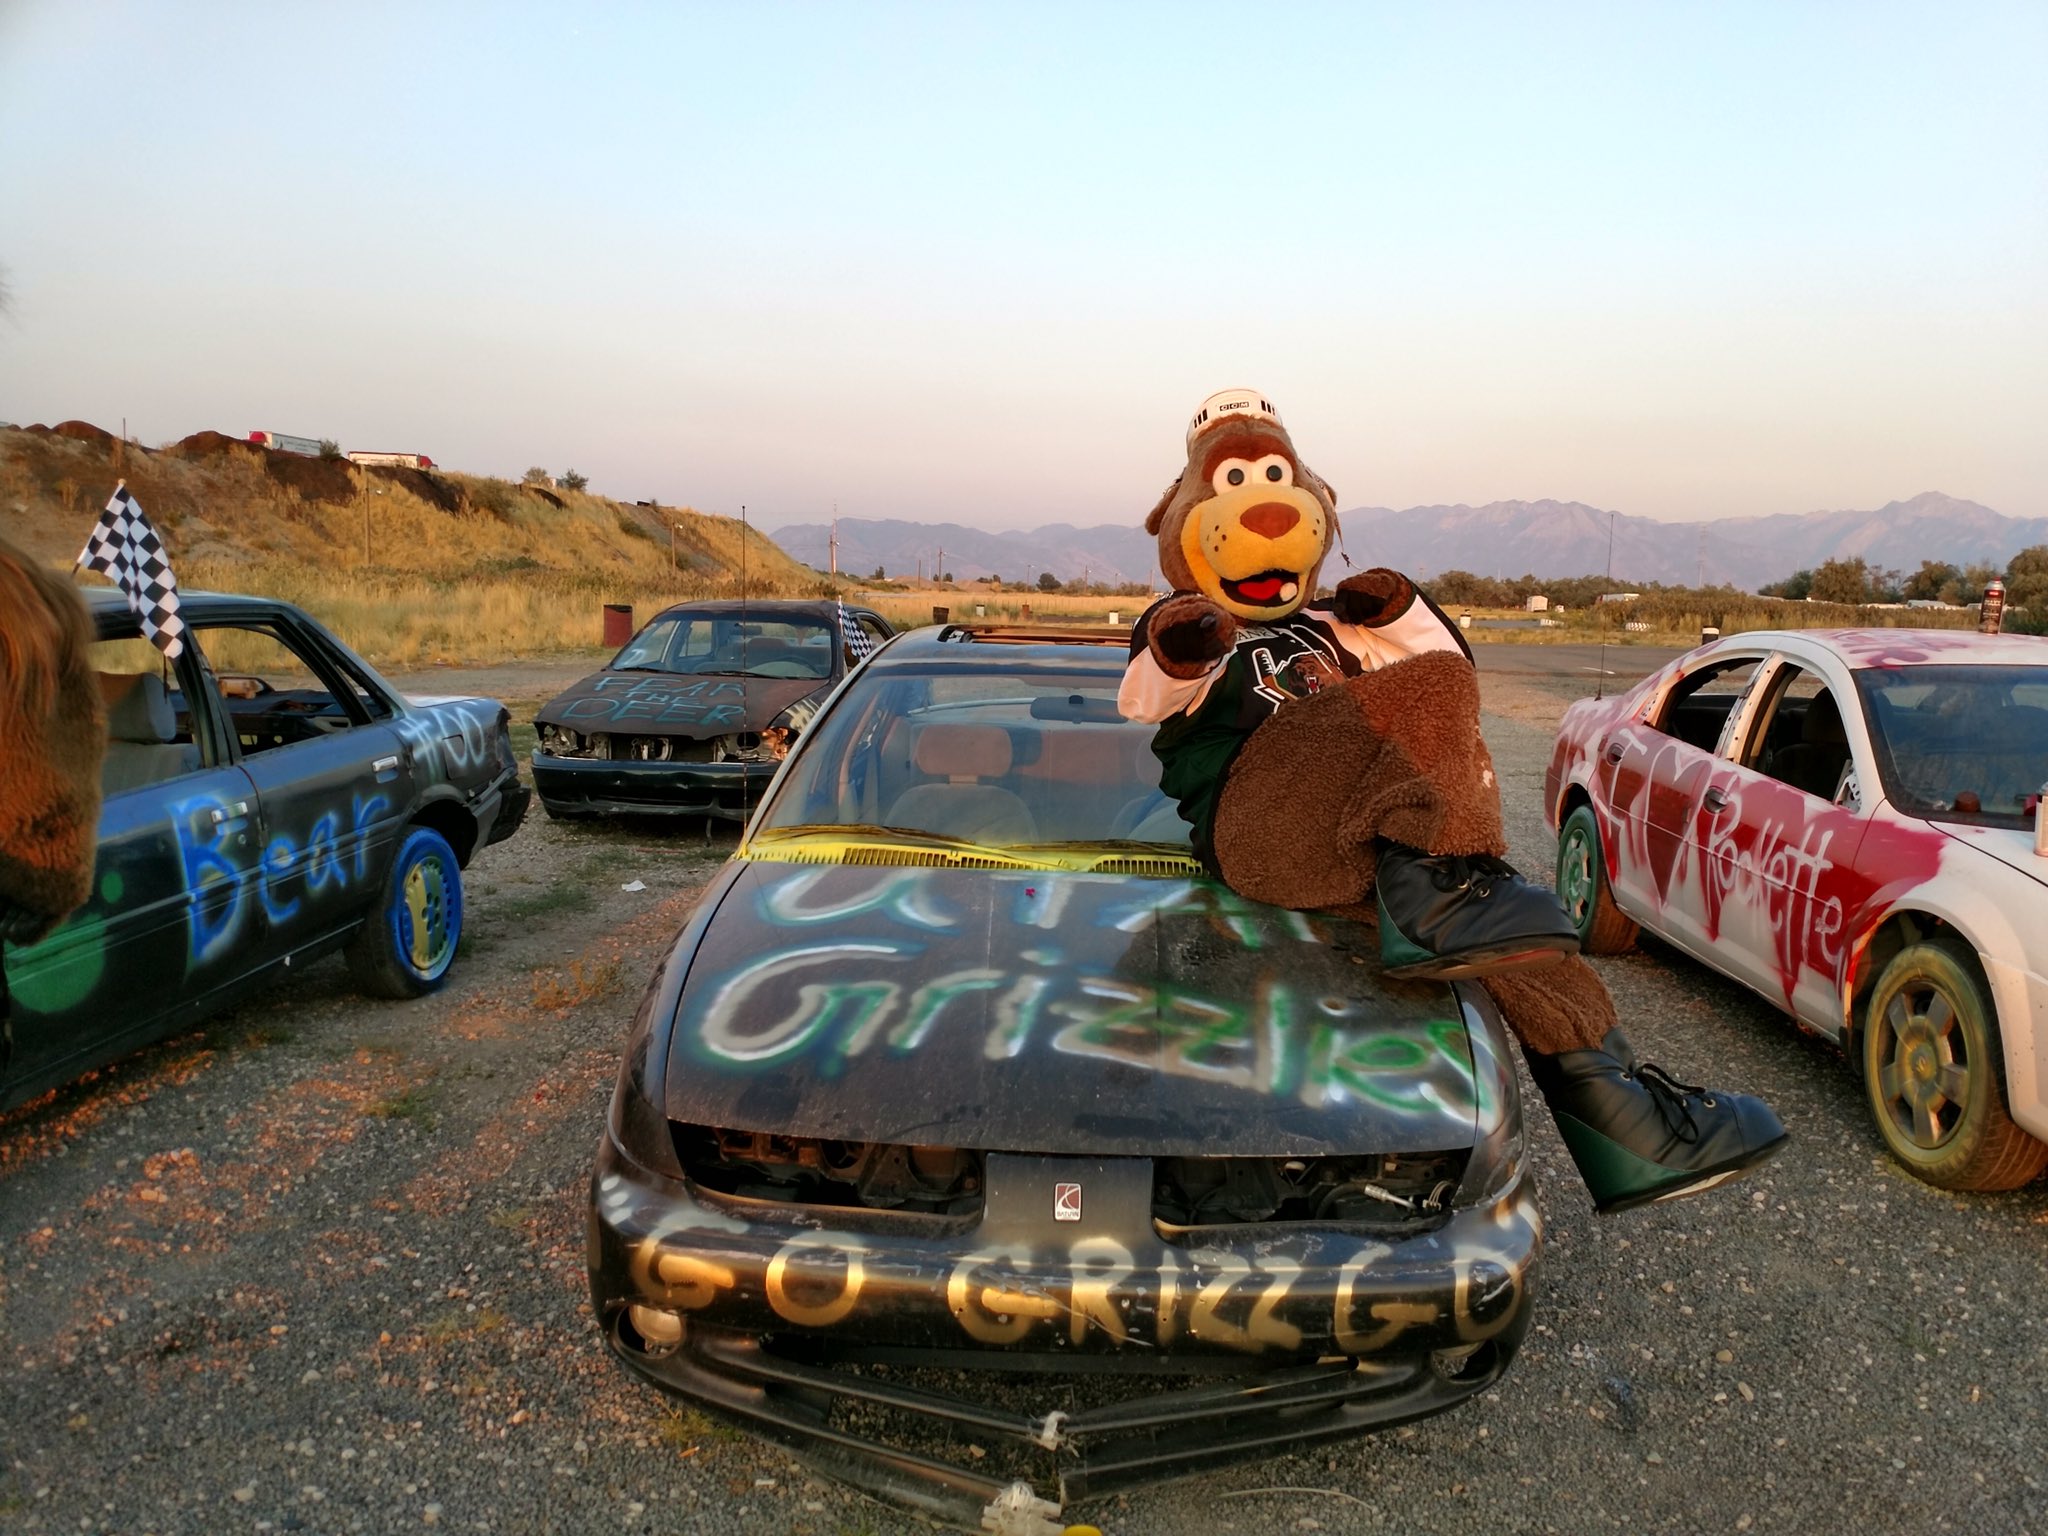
(126, 547)
(859, 644)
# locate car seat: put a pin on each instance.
(957, 804)
(1815, 762)
(142, 729)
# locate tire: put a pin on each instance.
(1582, 887)
(1934, 1076)
(408, 941)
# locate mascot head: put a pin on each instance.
(1246, 524)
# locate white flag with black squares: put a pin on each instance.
(125, 546)
(860, 645)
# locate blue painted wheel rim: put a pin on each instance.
(426, 917)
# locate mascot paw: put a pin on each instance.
(1189, 634)
(1374, 597)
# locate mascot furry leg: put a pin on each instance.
(1328, 751)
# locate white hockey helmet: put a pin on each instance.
(1233, 402)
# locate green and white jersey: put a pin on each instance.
(1204, 720)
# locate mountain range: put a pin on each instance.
(1502, 538)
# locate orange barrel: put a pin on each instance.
(618, 623)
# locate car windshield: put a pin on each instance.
(989, 755)
(1960, 743)
(727, 645)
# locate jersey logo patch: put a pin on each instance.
(1299, 676)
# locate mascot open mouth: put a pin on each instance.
(1264, 590)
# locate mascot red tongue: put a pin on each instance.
(1327, 753)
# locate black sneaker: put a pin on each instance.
(1638, 1135)
(1450, 916)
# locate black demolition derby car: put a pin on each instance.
(965, 1063)
(268, 797)
(694, 715)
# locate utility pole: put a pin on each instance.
(939, 568)
(833, 542)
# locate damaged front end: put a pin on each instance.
(767, 746)
(995, 1337)
(1097, 1363)
(620, 770)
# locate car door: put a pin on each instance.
(169, 924)
(1652, 772)
(334, 779)
(1779, 825)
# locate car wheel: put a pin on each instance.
(1935, 1077)
(1582, 887)
(407, 943)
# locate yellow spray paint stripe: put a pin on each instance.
(810, 848)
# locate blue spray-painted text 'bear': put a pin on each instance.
(328, 858)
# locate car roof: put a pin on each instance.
(193, 605)
(1008, 648)
(1860, 649)
(760, 607)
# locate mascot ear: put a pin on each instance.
(1321, 487)
(1157, 515)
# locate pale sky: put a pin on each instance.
(979, 263)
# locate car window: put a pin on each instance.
(1699, 704)
(873, 628)
(277, 693)
(997, 758)
(729, 645)
(150, 737)
(1959, 743)
(1798, 736)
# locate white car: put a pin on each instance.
(1850, 822)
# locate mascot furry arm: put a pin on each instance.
(52, 735)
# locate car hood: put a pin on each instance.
(674, 704)
(2004, 844)
(1072, 1013)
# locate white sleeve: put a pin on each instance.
(1148, 694)
(1414, 632)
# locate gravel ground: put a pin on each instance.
(319, 1268)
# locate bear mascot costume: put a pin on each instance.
(1327, 754)
(52, 735)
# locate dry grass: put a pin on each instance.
(912, 609)
(1677, 618)
(581, 981)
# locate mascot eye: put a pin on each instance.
(1231, 472)
(1276, 469)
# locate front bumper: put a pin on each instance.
(1320, 1333)
(571, 786)
(514, 798)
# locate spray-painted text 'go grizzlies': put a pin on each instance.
(1175, 977)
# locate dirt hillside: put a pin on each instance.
(410, 567)
(220, 498)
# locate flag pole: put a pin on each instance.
(119, 487)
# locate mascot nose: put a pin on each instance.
(1270, 519)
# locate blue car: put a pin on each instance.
(268, 798)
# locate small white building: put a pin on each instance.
(1537, 603)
